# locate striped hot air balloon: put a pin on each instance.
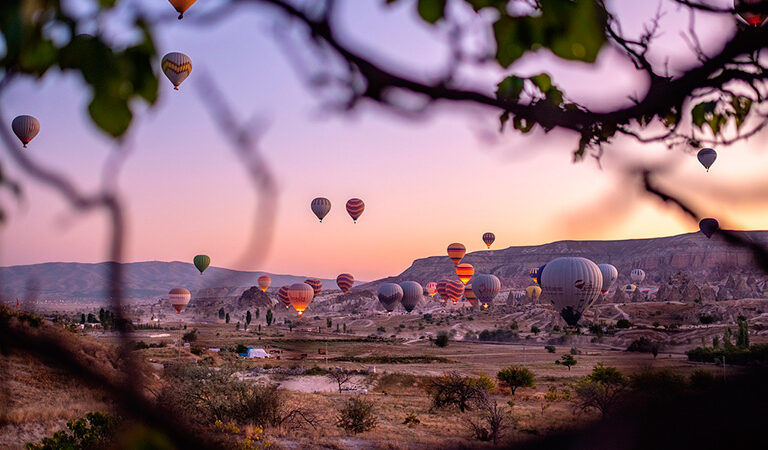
(454, 290)
(441, 289)
(489, 238)
(486, 288)
(456, 252)
(355, 208)
(179, 298)
(264, 281)
(412, 294)
(300, 295)
(25, 128)
(465, 271)
(202, 262)
(431, 288)
(315, 284)
(177, 67)
(345, 281)
(390, 294)
(181, 6)
(469, 294)
(283, 295)
(321, 206)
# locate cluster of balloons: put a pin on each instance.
(321, 206)
(707, 156)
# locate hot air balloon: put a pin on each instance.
(177, 67)
(572, 285)
(454, 290)
(179, 298)
(469, 294)
(181, 6)
(709, 226)
(345, 281)
(533, 292)
(431, 288)
(465, 271)
(390, 295)
(534, 274)
(300, 295)
(441, 289)
(202, 262)
(25, 128)
(488, 238)
(637, 275)
(486, 288)
(539, 271)
(610, 274)
(283, 295)
(456, 252)
(412, 294)
(754, 19)
(629, 288)
(355, 208)
(264, 281)
(321, 206)
(315, 284)
(707, 157)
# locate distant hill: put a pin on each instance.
(702, 258)
(143, 280)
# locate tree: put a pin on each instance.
(493, 419)
(357, 415)
(452, 389)
(623, 323)
(442, 339)
(269, 317)
(601, 390)
(340, 377)
(247, 319)
(190, 336)
(535, 329)
(227, 319)
(742, 335)
(567, 360)
(345, 328)
(82, 319)
(221, 313)
(257, 313)
(237, 326)
(514, 377)
(328, 323)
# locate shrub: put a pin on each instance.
(550, 348)
(315, 371)
(452, 389)
(644, 345)
(94, 430)
(701, 379)
(442, 339)
(623, 323)
(140, 345)
(575, 351)
(190, 336)
(498, 335)
(535, 329)
(411, 420)
(601, 390)
(707, 319)
(381, 330)
(493, 420)
(357, 415)
(514, 377)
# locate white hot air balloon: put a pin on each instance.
(412, 294)
(486, 288)
(610, 274)
(179, 298)
(572, 285)
(637, 276)
(177, 67)
(390, 295)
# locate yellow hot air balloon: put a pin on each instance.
(177, 67)
(533, 292)
(264, 281)
(456, 252)
(300, 295)
(181, 6)
(465, 272)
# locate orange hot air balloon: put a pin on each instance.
(315, 284)
(300, 295)
(489, 238)
(264, 281)
(454, 290)
(355, 208)
(456, 252)
(181, 6)
(179, 298)
(469, 294)
(283, 295)
(465, 272)
(345, 281)
(441, 289)
(432, 289)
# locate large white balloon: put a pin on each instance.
(610, 274)
(637, 275)
(412, 294)
(486, 288)
(390, 295)
(572, 285)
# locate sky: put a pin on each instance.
(449, 176)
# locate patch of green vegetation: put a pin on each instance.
(392, 359)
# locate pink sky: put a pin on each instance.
(426, 183)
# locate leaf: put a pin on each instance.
(431, 10)
(701, 113)
(741, 107)
(110, 113)
(503, 119)
(523, 125)
(671, 118)
(510, 88)
(542, 81)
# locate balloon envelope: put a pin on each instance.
(431, 288)
(25, 128)
(390, 295)
(456, 252)
(345, 281)
(533, 292)
(181, 6)
(321, 206)
(176, 67)
(707, 157)
(637, 275)
(465, 271)
(539, 271)
(300, 295)
(486, 288)
(630, 288)
(441, 289)
(412, 294)
(489, 238)
(454, 289)
(709, 226)
(355, 208)
(264, 281)
(469, 294)
(202, 262)
(315, 284)
(179, 298)
(610, 274)
(572, 285)
(282, 294)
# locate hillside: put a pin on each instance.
(143, 280)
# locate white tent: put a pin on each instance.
(257, 353)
